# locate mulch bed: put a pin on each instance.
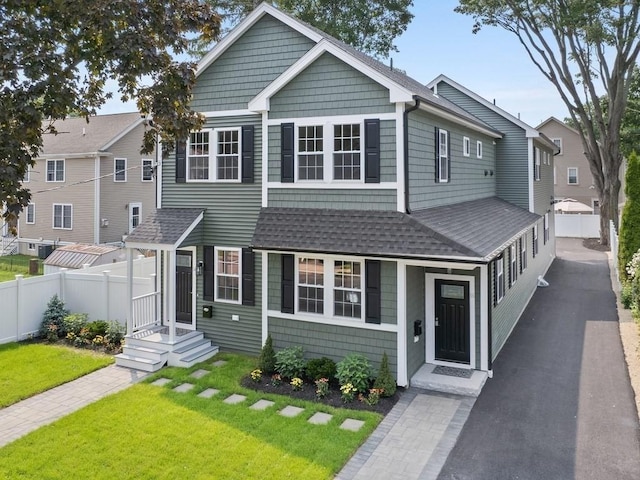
(308, 393)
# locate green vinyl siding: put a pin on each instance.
(369, 199)
(543, 189)
(415, 297)
(467, 180)
(242, 335)
(257, 58)
(387, 151)
(512, 170)
(330, 87)
(335, 342)
(506, 314)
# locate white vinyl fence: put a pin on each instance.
(101, 295)
(577, 225)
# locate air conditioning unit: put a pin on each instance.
(44, 251)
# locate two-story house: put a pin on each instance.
(337, 204)
(90, 184)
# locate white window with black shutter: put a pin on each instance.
(228, 275)
(498, 268)
(513, 265)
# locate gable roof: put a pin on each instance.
(401, 86)
(77, 136)
(559, 122)
(165, 228)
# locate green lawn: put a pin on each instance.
(150, 432)
(12, 265)
(30, 368)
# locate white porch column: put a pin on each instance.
(129, 291)
(170, 293)
(401, 269)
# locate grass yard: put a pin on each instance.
(151, 432)
(12, 265)
(30, 368)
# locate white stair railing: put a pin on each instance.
(145, 311)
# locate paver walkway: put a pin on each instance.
(25, 416)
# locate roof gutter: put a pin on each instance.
(405, 126)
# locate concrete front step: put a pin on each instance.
(139, 363)
(425, 379)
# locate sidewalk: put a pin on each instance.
(25, 416)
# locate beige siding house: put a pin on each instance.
(90, 185)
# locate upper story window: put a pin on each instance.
(536, 164)
(535, 240)
(55, 170)
(135, 215)
(443, 160)
(227, 274)
(62, 216)
(147, 170)
(120, 170)
(572, 176)
(310, 153)
(479, 149)
(558, 142)
(466, 146)
(27, 175)
(31, 213)
(346, 152)
(219, 162)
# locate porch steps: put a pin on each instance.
(192, 353)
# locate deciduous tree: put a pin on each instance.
(583, 48)
(57, 56)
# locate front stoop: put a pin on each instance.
(425, 379)
(150, 350)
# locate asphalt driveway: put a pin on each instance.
(560, 405)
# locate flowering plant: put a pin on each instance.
(256, 375)
(348, 392)
(322, 387)
(276, 379)
(373, 398)
(296, 383)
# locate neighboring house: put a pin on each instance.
(337, 204)
(90, 184)
(572, 175)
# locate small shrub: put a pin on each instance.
(74, 323)
(290, 362)
(296, 383)
(115, 335)
(322, 387)
(320, 368)
(626, 295)
(97, 327)
(267, 359)
(356, 370)
(52, 326)
(385, 381)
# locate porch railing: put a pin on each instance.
(145, 311)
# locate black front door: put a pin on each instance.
(184, 282)
(452, 321)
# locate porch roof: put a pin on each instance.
(473, 231)
(165, 228)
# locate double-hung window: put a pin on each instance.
(558, 142)
(310, 285)
(135, 215)
(310, 153)
(572, 176)
(513, 264)
(227, 275)
(31, 214)
(443, 155)
(499, 279)
(62, 216)
(546, 228)
(346, 152)
(523, 253)
(347, 300)
(536, 165)
(120, 170)
(535, 240)
(214, 155)
(147, 170)
(55, 170)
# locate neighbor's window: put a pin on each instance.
(546, 228)
(227, 274)
(310, 153)
(147, 170)
(572, 175)
(310, 285)
(62, 216)
(120, 170)
(55, 170)
(535, 240)
(31, 213)
(135, 214)
(558, 142)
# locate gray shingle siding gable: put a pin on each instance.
(511, 151)
(330, 87)
(467, 182)
(260, 55)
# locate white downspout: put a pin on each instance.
(96, 201)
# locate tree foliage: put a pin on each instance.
(580, 47)
(57, 56)
(369, 26)
(629, 240)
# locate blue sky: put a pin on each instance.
(491, 63)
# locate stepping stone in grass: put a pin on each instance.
(320, 418)
(185, 387)
(352, 425)
(219, 363)
(235, 398)
(208, 393)
(261, 405)
(161, 382)
(291, 411)
(199, 373)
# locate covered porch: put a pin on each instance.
(161, 326)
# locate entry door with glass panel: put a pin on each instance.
(184, 284)
(452, 329)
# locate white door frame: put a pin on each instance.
(194, 286)
(430, 306)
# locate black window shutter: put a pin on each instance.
(507, 256)
(522, 239)
(372, 150)
(437, 150)
(181, 161)
(373, 291)
(286, 152)
(495, 282)
(208, 274)
(248, 277)
(247, 153)
(448, 156)
(288, 284)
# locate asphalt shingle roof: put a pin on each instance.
(164, 226)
